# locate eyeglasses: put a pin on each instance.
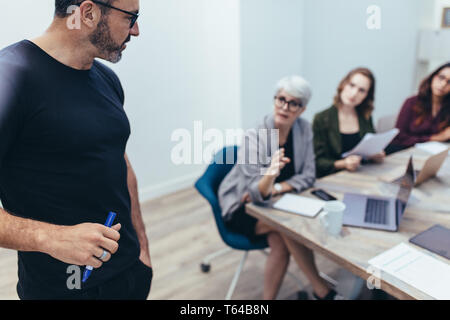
(293, 106)
(444, 79)
(133, 18)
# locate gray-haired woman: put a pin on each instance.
(285, 166)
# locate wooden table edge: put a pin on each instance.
(387, 287)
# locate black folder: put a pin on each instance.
(436, 239)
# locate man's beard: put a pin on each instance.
(102, 40)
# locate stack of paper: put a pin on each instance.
(421, 271)
(299, 205)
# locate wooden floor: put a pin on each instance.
(181, 231)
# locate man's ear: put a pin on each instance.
(89, 14)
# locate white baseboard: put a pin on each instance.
(167, 187)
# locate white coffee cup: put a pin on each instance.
(333, 216)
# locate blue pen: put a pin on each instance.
(108, 223)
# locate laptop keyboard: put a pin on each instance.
(376, 211)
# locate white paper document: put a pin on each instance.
(432, 147)
(419, 270)
(372, 144)
(299, 205)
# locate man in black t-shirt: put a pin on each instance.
(63, 167)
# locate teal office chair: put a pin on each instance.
(208, 186)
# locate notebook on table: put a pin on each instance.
(299, 205)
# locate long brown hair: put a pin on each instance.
(367, 106)
(424, 106)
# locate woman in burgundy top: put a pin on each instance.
(426, 117)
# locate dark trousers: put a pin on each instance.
(133, 284)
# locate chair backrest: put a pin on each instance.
(209, 183)
(208, 186)
(386, 123)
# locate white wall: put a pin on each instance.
(271, 48)
(24, 19)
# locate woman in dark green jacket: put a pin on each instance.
(342, 126)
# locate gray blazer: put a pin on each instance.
(245, 177)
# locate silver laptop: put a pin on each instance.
(430, 168)
(378, 212)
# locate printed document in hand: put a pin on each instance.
(300, 205)
(372, 144)
(419, 270)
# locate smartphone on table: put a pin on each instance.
(323, 195)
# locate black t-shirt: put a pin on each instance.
(63, 134)
(289, 170)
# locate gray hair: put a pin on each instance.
(297, 87)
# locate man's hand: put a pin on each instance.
(145, 257)
(83, 244)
